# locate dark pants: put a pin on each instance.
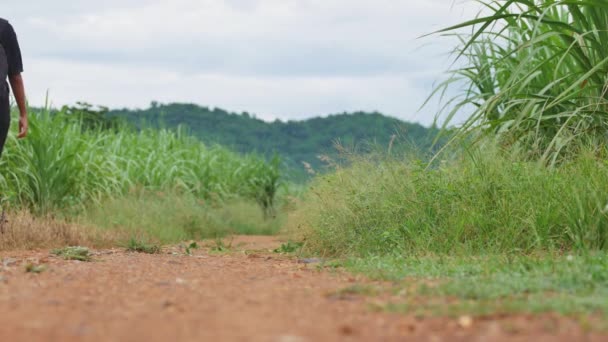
(5, 119)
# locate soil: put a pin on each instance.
(247, 294)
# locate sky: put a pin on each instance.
(278, 59)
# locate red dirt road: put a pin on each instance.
(248, 294)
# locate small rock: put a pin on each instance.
(465, 322)
(180, 281)
(9, 262)
(290, 338)
(3, 280)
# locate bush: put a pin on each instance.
(484, 201)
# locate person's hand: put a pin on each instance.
(22, 127)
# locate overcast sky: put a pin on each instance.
(287, 59)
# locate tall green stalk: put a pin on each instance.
(64, 164)
(535, 72)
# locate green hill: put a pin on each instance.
(295, 141)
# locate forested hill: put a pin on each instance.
(294, 141)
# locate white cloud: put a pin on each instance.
(278, 58)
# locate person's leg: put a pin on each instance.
(5, 121)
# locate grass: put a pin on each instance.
(493, 284)
(36, 269)
(481, 201)
(162, 217)
(174, 217)
(139, 246)
(219, 246)
(65, 165)
(483, 232)
(76, 183)
(24, 231)
(289, 247)
(191, 247)
(532, 73)
(78, 253)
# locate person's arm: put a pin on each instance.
(19, 92)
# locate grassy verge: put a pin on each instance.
(170, 217)
(481, 233)
(153, 217)
(490, 285)
(483, 201)
(63, 166)
(23, 231)
(72, 183)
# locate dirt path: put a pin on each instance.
(237, 296)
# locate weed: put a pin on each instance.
(221, 246)
(192, 246)
(32, 268)
(73, 253)
(138, 246)
(289, 247)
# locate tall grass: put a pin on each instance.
(535, 72)
(481, 202)
(64, 165)
(26, 231)
(172, 217)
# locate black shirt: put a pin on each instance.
(8, 39)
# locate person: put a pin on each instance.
(10, 60)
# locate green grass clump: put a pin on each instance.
(138, 246)
(191, 247)
(36, 269)
(484, 201)
(73, 253)
(289, 247)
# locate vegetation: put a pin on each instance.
(73, 253)
(512, 216)
(295, 141)
(174, 217)
(513, 212)
(140, 246)
(63, 165)
(489, 285)
(535, 73)
(98, 176)
(482, 202)
(25, 231)
(36, 269)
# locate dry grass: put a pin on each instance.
(22, 231)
